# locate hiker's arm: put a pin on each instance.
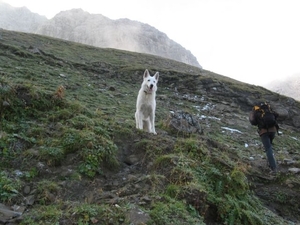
(276, 115)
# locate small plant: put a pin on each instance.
(9, 187)
(44, 214)
(86, 214)
(172, 190)
(59, 93)
(173, 212)
(96, 157)
(191, 146)
(47, 191)
(281, 197)
(71, 141)
(29, 175)
(52, 155)
(81, 122)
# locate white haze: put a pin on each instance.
(254, 41)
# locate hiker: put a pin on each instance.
(265, 118)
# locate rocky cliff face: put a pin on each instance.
(19, 19)
(288, 87)
(96, 30)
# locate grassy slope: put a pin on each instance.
(83, 131)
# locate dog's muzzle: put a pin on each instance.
(151, 86)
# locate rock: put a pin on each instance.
(294, 170)
(107, 195)
(137, 216)
(5, 103)
(283, 113)
(296, 121)
(131, 178)
(29, 200)
(26, 190)
(6, 213)
(162, 97)
(34, 50)
(183, 122)
(19, 209)
(112, 88)
(131, 160)
(288, 161)
(146, 199)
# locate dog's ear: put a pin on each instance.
(156, 75)
(146, 73)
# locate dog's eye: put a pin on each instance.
(149, 80)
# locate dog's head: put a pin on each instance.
(150, 82)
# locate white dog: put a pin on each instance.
(146, 104)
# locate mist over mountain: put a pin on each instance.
(19, 18)
(96, 30)
(289, 86)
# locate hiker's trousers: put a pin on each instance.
(267, 139)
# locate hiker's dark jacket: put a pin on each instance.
(261, 131)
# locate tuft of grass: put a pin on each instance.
(192, 147)
(52, 155)
(47, 191)
(44, 214)
(170, 211)
(9, 187)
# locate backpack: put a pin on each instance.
(263, 116)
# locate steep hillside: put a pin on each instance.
(70, 153)
(96, 30)
(289, 86)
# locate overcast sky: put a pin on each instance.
(254, 41)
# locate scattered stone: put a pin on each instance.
(107, 195)
(18, 173)
(112, 88)
(137, 216)
(26, 190)
(131, 160)
(183, 122)
(19, 209)
(6, 213)
(288, 161)
(5, 103)
(162, 97)
(29, 200)
(131, 177)
(146, 198)
(40, 165)
(294, 170)
(34, 50)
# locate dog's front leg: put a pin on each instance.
(152, 127)
(138, 121)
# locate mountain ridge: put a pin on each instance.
(288, 86)
(19, 18)
(96, 30)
